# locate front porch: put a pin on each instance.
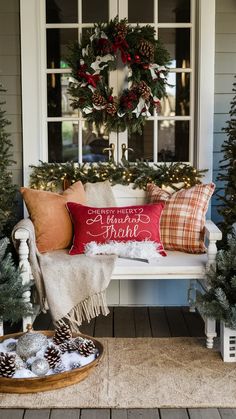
(132, 322)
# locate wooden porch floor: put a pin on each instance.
(130, 322)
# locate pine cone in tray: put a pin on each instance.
(53, 356)
(87, 348)
(7, 365)
(62, 334)
(69, 346)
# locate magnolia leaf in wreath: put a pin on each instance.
(144, 58)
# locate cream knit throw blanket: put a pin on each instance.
(73, 286)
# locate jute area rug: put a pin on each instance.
(145, 373)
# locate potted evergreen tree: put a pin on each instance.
(12, 304)
(219, 301)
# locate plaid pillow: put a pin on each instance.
(183, 217)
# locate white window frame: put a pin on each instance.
(34, 103)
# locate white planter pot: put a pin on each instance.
(227, 343)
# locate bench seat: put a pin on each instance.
(177, 265)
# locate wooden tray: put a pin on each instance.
(50, 382)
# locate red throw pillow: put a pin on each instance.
(122, 224)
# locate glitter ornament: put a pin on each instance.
(11, 346)
(59, 368)
(40, 367)
(19, 363)
(74, 365)
(30, 343)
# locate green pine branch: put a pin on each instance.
(12, 305)
(219, 301)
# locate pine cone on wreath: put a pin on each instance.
(87, 348)
(53, 356)
(111, 109)
(62, 334)
(144, 90)
(70, 346)
(98, 100)
(121, 30)
(146, 49)
(7, 365)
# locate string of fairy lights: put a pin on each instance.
(57, 176)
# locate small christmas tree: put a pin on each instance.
(7, 189)
(12, 306)
(219, 301)
(228, 173)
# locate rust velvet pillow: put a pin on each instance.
(183, 218)
(47, 210)
(119, 224)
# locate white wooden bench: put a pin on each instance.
(176, 266)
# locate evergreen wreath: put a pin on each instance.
(98, 54)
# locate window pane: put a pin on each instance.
(94, 142)
(177, 41)
(57, 46)
(142, 145)
(63, 141)
(178, 95)
(95, 11)
(173, 11)
(58, 98)
(61, 11)
(140, 11)
(173, 140)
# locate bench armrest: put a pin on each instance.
(213, 234)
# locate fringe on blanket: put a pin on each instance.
(86, 310)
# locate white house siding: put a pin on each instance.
(225, 69)
(10, 77)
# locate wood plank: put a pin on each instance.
(159, 323)
(95, 414)
(222, 101)
(194, 323)
(37, 414)
(176, 322)
(224, 83)
(65, 413)
(142, 322)
(227, 413)
(88, 328)
(104, 325)
(11, 413)
(225, 42)
(124, 326)
(173, 414)
(211, 413)
(143, 414)
(225, 6)
(225, 22)
(119, 414)
(42, 321)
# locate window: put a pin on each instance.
(53, 131)
(166, 137)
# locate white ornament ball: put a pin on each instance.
(40, 367)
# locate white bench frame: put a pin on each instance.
(126, 195)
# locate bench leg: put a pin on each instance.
(192, 295)
(210, 331)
